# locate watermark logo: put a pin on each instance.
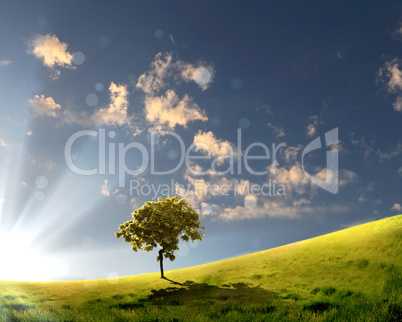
(331, 176)
(111, 160)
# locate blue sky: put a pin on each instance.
(105, 106)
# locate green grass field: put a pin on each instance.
(350, 275)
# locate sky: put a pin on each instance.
(277, 121)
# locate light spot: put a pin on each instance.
(250, 201)
(112, 277)
(41, 182)
(184, 250)
(244, 123)
(194, 244)
(78, 58)
(172, 154)
(159, 33)
(236, 83)
(201, 76)
(39, 196)
(99, 86)
(92, 99)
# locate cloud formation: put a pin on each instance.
(391, 74)
(396, 207)
(163, 67)
(398, 104)
(276, 208)
(278, 131)
(44, 106)
(3, 143)
(105, 189)
(312, 126)
(168, 111)
(206, 142)
(153, 81)
(113, 115)
(116, 112)
(51, 51)
(5, 62)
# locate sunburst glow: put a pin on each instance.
(20, 262)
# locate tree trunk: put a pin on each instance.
(161, 261)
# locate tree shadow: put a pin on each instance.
(173, 282)
(200, 294)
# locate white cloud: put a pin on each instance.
(398, 104)
(362, 199)
(206, 141)
(291, 153)
(5, 62)
(51, 51)
(105, 189)
(400, 171)
(312, 126)
(393, 152)
(3, 143)
(397, 33)
(293, 179)
(168, 111)
(44, 106)
(71, 116)
(346, 177)
(154, 80)
(278, 131)
(276, 209)
(265, 108)
(301, 202)
(396, 207)
(365, 148)
(392, 74)
(116, 112)
(164, 67)
(202, 74)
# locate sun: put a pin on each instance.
(19, 262)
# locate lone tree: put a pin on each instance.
(161, 223)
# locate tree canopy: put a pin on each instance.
(161, 223)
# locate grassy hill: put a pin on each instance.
(353, 274)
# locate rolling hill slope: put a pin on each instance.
(339, 275)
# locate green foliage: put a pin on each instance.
(161, 223)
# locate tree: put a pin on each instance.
(160, 223)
